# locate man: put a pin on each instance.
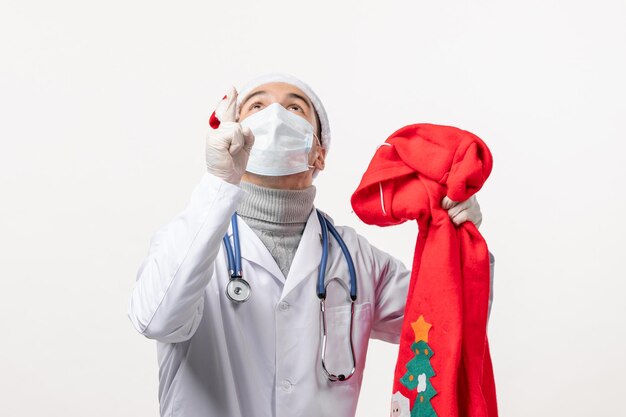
(262, 356)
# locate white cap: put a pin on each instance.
(276, 77)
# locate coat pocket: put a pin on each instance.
(338, 356)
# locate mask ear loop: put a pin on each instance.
(319, 142)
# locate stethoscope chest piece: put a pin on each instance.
(238, 290)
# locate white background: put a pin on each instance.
(103, 112)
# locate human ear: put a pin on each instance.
(320, 160)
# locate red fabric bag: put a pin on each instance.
(444, 366)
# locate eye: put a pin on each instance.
(255, 106)
(295, 107)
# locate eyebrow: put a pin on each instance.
(294, 95)
(290, 95)
(257, 93)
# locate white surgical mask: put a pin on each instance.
(282, 142)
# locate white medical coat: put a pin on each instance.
(260, 358)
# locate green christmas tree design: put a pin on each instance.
(419, 371)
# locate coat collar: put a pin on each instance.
(305, 261)
(253, 250)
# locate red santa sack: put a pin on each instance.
(444, 367)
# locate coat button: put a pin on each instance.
(286, 385)
(284, 306)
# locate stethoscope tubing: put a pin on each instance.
(234, 255)
(349, 261)
(321, 289)
(241, 286)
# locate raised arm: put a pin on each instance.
(167, 301)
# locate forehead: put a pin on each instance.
(279, 89)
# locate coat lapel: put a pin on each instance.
(253, 250)
(306, 261)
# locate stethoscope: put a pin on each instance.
(238, 289)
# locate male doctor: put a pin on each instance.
(262, 357)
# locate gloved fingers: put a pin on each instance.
(447, 203)
(220, 108)
(230, 114)
(466, 215)
(466, 210)
(460, 217)
(248, 139)
(219, 138)
(237, 142)
(459, 207)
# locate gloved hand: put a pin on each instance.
(228, 147)
(463, 211)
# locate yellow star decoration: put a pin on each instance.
(421, 328)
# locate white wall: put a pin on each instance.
(104, 106)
